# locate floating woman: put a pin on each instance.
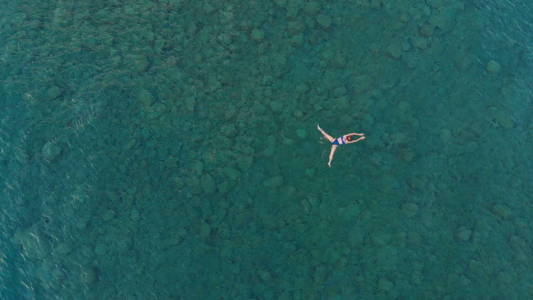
(343, 140)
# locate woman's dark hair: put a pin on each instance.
(350, 137)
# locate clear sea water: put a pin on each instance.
(168, 149)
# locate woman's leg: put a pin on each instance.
(327, 136)
(331, 154)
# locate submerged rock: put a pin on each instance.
(324, 21)
(464, 234)
(258, 34)
(493, 66)
(53, 93)
(301, 133)
(88, 275)
(501, 211)
(385, 284)
(273, 182)
(32, 242)
(395, 50)
(63, 249)
(51, 151)
(208, 184)
(145, 97)
(410, 209)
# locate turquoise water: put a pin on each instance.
(168, 149)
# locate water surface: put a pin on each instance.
(168, 150)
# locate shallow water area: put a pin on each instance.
(169, 150)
